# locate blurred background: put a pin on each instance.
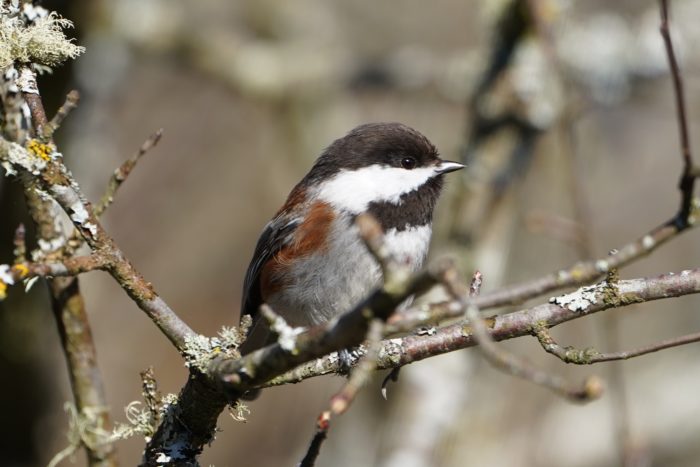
(567, 121)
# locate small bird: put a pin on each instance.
(310, 264)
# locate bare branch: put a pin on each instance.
(591, 389)
(590, 355)
(121, 174)
(585, 301)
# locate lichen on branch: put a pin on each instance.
(34, 36)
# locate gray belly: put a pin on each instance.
(325, 285)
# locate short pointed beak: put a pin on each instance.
(448, 166)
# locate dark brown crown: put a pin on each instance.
(373, 143)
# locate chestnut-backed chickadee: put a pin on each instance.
(309, 264)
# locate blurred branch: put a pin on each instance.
(490, 117)
(563, 229)
(361, 373)
(685, 215)
(509, 30)
(86, 379)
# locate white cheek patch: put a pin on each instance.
(353, 190)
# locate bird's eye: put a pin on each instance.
(408, 163)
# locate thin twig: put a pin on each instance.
(690, 172)
(677, 87)
(72, 266)
(123, 171)
(577, 274)
(71, 103)
(590, 356)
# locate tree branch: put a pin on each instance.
(54, 179)
(72, 266)
(590, 389)
(590, 355)
(583, 302)
(66, 301)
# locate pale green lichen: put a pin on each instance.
(142, 420)
(200, 350)
(41, 42)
